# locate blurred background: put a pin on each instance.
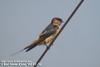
(78, 45)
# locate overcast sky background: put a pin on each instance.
(78, 45)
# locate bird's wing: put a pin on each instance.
(48, 31)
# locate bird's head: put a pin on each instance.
(56, 21)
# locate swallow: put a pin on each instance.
(47, 35)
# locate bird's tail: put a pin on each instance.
(27, 48)
(13, 54)
(31, 46)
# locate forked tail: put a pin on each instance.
(27, 48)
(31, 46)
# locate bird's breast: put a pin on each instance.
(50, 38)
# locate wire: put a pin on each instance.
(72, 14)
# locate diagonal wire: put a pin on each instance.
(72, 14)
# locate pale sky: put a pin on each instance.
(78, 45)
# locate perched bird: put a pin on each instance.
(47, 34)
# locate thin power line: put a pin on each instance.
(72, 14)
